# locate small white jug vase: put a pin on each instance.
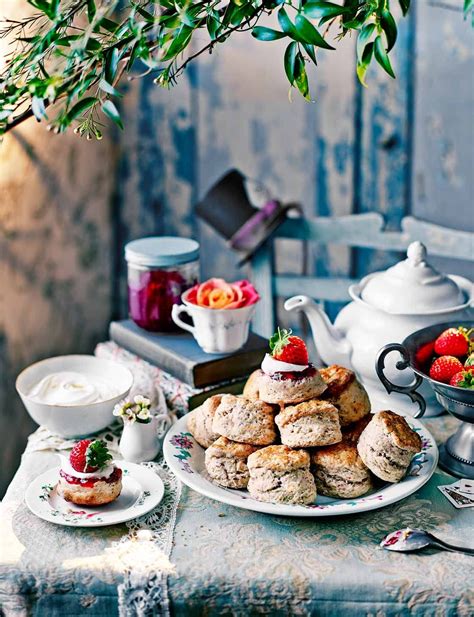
(140, 441)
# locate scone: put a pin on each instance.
(313, 423)
(345, 393)
(251, 388)
(199, 421)
(226, 462)
(340, 472)
(291, 387)
(352, 432)
(245, 421)
(281, 475)
(387, 445)
(88, 477)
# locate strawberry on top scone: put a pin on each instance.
(88, 477)
(287, 376)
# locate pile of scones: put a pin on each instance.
(288, 440)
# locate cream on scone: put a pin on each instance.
(309, 424)
(387, 445)
(340, 472)
(88, 477)
(245, 421)
(345, 393)
(199, 421)
(279, 474)
(226, 462)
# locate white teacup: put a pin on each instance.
(215, 330)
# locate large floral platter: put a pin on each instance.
(185, 458)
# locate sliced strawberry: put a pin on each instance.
(288, 348)
(463, 379)
(453, 342)
(444, 368)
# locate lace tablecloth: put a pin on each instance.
(226, 561)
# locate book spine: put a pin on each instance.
(152, 353)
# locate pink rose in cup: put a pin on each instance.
(218, 294)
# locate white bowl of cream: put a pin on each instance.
(75, 395)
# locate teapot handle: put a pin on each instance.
(410, 390)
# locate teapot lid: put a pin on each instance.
(411, 286)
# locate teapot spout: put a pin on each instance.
(330, 343)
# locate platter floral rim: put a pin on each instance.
(185, 458)
(142, 491)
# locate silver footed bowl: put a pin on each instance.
(456, 455)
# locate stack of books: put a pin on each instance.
(183, 362)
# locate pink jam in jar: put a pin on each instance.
(160, 269)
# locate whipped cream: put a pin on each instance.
(68, 469)
(270, 366)
(67, 388)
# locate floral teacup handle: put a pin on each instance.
(410, 390)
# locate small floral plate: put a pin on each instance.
(142, 490)
(185, 457)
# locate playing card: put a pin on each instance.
(466, 486)
(459, 493)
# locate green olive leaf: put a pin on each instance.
(112, 112)
(315, 9)
(382, 57)
(308, 33)
(405, 6)
(79, 108)
(267, 34)
(363, 38)
(289, 61)
(389, 26)
(364, 62)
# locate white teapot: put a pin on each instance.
(388, 306)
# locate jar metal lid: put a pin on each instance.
(161, 251)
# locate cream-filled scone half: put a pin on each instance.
(287, 376)
(309, 424)
(226, 462)
(345, 393)
(279, 474)
(245, 421)
(340, 472)
(199, 421)
(89, 477)
(387, 445)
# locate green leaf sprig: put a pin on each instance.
(66, 60)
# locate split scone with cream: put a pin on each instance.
(226, 462)
(89, 477)
(339, 471)
(279, 474)
(245, 421)
(387, 445)
(309, 424)
(199, 421)
(286, 374)
(345, 393)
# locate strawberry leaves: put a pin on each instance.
(97, 455)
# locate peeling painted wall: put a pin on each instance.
(68, 206)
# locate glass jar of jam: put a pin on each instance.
(160, 269)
